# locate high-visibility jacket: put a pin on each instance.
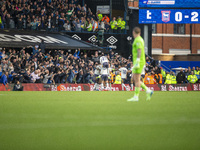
(168, 79)
(107, 19)
(196, 72)
(89, 28)
(160, 78)
(0, 20)
(149, 80)
(112, 77)
(192, 78)
(163, 73)
(113, 25)
(119, 21)
(123, 25)
(118, 79)
(100, 16)
(173, 79)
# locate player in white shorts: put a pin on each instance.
(123, 72)
(104, 77)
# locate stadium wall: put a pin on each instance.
(173, 57)
(169, 42)
(89, 87)
(183, 64)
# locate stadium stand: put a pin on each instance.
(55, 15)
(59, 66)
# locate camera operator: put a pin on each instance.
(18, 87)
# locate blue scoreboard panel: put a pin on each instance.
(175, 16)
(169, 3)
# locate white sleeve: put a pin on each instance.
(100, 59)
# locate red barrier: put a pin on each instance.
(89, 87)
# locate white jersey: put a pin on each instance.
(97, 70)
(103, 59)
(123, 71)
(104, 71)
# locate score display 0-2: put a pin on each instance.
(175, 16)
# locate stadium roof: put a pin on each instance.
(20, 38)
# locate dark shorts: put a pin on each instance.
(104, 77)
(105, 65)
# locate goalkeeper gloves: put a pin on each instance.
(137, 64)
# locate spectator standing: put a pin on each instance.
(197, 73)
(89, 27)
(67, 26)
(192, 78)
(113, 25)
(107, 27)
(99, 15)
(106, 18)
(173, 78)
(35, 76)
(180, 78)
(168, 78)
(34, 25)
(187, 73)
(123, 25)
(1, 23)
(42, 46)
(4, 78)
(119, 24)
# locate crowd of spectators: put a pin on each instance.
(34, 64)
(56, 66)
(158, 75)
(55, 15)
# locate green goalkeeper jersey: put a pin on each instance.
(138, 44)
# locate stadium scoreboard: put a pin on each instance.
(169, 11)
(170, 3)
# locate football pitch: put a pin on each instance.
(99, 121)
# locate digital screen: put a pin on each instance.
(175, 16)
(170, 3)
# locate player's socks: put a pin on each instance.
(137, 91)
(123, 86)
(131, 86)
(95, 86)
(102, 86)
(144, 87)
(107, 86)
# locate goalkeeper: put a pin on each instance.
(138, 65)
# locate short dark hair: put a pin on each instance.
(137, 30)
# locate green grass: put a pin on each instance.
(99, 121)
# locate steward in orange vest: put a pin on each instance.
(106, 18)
(160, 78)
(149, 79)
